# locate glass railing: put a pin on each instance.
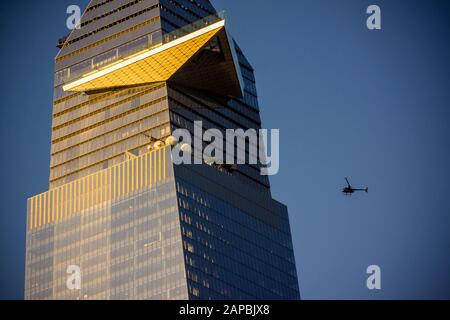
(130, 49)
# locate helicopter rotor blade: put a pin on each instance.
(347, 182)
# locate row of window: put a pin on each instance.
(103, 28)
(139, 271)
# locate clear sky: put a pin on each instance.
(370, 105)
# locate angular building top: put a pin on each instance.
(156, 58)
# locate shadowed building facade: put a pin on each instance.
(138, 226)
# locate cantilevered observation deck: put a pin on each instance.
(200, 55)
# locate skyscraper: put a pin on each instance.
(133, 223)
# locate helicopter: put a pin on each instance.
(348, 190)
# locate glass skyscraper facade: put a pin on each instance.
(137, 225)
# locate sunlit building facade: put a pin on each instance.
(136, 225)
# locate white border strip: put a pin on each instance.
(144, 55)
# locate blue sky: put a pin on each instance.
(370, 105)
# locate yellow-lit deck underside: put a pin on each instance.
(155, 65)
